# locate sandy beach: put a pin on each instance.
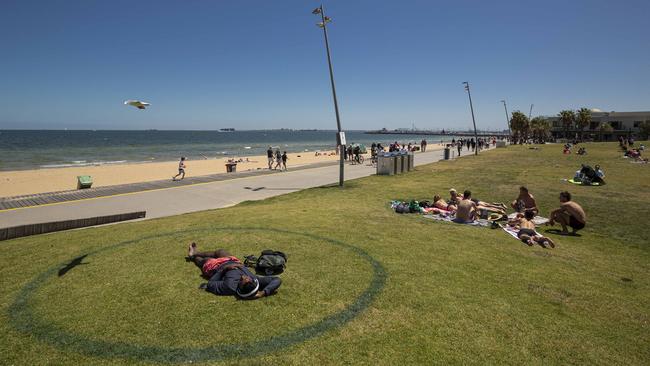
(22, 182)
(14, 183)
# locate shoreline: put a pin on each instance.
(34, 181)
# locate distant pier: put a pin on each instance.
(438, 133)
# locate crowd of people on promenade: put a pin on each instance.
(353, 151)
(470, 144)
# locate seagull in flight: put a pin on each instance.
(138, 104)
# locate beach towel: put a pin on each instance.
(513, 232)
(572, 181)
(537, 220)
(480, 223)
(428, 210)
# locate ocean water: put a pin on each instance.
(32, 149)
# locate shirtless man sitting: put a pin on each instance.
(440, 204)
(525, 202)
(466, 211)
(569, 214)
(527, 232)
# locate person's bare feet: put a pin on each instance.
(191, 249)
(550, 243)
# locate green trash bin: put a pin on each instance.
(84, 181)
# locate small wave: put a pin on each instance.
(247, 147)
(82, 163)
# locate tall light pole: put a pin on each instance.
(530, 112)
(507, 118)
(340, 139)
(466, 83)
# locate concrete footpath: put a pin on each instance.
(198, 197)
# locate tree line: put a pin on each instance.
(539, 128)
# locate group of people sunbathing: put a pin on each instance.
(227, 275)
(467, 209)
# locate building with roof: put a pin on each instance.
(624, 124)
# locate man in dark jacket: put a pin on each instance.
(228, 276)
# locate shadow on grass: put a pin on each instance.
(75, 262)
(562, 233)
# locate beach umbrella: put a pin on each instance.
(138, 104)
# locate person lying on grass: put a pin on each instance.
(439, 203)
(569, 214)
(525, 201)
(527, 232)
(496, 207)
(228, 276)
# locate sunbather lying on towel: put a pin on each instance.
(228, 276)
(527, 232)
(439, 203)
(496, 207)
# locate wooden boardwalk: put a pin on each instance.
(38, 199)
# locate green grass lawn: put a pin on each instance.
(363, 285)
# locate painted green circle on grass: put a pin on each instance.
(24, 318)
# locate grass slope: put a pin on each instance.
(364, 285)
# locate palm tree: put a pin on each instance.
(605, 128)
(540, 128)
(520, 125)
(567, 117)
(583, 119)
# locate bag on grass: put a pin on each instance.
(403, 208)
(269, 263)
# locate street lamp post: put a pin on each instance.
(507, 118)
(340, 141)
(466, 83)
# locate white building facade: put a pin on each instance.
(624, 124)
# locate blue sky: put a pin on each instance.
(261, 64)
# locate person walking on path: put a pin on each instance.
(269, 156)
(460, 147)
(423, 145)
(278, 159)
(284, 160)
(181, 169)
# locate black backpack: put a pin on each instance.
(269, 263)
